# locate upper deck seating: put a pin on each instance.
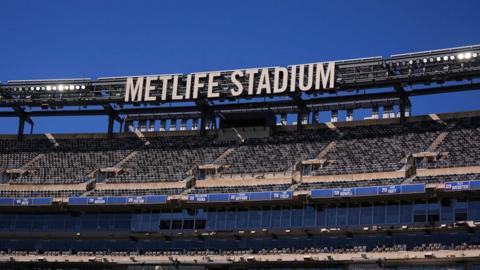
(462, 144)
(276, 153)
(74, 159)
(359, 149)
(168, 159)
(14, 154)
(378, 148)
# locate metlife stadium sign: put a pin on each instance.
(252, 82)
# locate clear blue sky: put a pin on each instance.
(68, 39)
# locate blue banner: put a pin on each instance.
(239, 197)
(387, 190)
(475, 184)
(197, 198)
(462, 185)
(343, 192)
(6, 201)
(155, 199)
(42, 201)
(37, 201)
(118, 200)
(367, 191)
(414, 188)
(281, 195)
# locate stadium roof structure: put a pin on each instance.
(357, 83)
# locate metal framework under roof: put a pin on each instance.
(359, 83)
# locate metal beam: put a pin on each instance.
(112, 117)
(404, 102)
(245, 106)
(110, 111)
(302, 109)
(21, 127)
(444, 89)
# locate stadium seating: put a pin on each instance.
(446, 178)
(276, 153)
(357, 149)
(378, 148)
(462, 145)
(136, 192)
(425, 247)
(40, 193)
(168, 159)
(14, 154)
(346, 184)
(74, 159)
(238, 189)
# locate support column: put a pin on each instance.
(206, 116)
(21, 127)
(404, 102)
(302, 110)
(111, 120)
(299, 120)
(203, 121)
(402, 111)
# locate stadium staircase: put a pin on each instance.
(410, 166)
(52, 139)
(33, 160)
(326, 149)
(126, 159)
(141, 136)
(434, 145)
(24, 168)
(227, 152)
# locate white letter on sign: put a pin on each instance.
(148, 88)
(276, 80)
(327, 78)
(211, 84)
(197, 84)
(293, 78)
(238, 84)
(264, 82)
(175, 95)
(165, 80)
(251, 79)
(134, 91)
(301, 78)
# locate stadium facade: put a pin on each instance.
(224, 179)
